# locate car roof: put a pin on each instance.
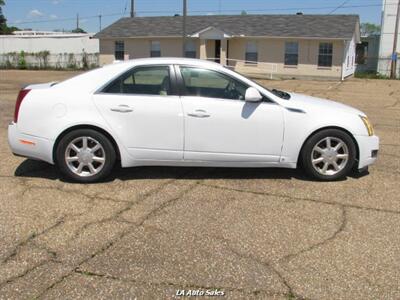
(169, 60)
(91, 80)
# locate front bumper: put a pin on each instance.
(368, 148)
(29, 146)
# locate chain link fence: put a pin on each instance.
(380, 66)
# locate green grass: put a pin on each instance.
(371, 75)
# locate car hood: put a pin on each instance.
(308, 103)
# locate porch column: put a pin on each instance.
(223, 57)
(203, 53)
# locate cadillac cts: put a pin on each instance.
(184, 112)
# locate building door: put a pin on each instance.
(217, 54)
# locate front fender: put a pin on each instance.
(299, 126)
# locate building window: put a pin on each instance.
(291, 53)
(190, 49)
(155, 50)
(325, 55)
(251, 53)
(119, 52)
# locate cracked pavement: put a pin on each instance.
(252, 233)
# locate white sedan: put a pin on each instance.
(184, 112)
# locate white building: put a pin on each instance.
(389, 12)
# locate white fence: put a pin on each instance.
(45, 60)
(263, 68)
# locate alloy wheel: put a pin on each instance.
(329, 156)
(85, 156)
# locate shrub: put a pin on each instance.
(21, 60)
(371, 75)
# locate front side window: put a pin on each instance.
(291, 53)
(119, 50)
(155, 49)
(325, 55)
(251, 53)
(212, 84)
(153, 80)
(190, 49)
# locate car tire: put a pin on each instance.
(85, 155)
(329, 155)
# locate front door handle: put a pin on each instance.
(199, 113)
(123, 108)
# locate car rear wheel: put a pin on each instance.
(85, 155)
(329, 154)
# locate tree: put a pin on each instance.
(4, 29)
(3, 20)
(243, 13)
(77, 30)
(370, 29)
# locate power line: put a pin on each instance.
(126, 6)
(340, 6)
(172, 12)
(66, 19)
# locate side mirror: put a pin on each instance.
(252, 95)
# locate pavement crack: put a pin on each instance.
(166, 204)
(114, 240)
(30, 238)
(333, 236)
(51, 253)
(117, 216)
(259, 261)
(23, 274)
(292, 198)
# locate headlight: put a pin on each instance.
(368, 125)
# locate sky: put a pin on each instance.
(62, 14)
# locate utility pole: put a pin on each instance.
(394, 53)
(99, 22)
(77, 21)
(132, 8)
(184, 27)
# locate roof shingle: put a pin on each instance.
(306, 26)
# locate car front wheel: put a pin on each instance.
(329, 154)
(85, 155)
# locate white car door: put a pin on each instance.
(220, 126)
(142, 110)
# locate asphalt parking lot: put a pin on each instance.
(251, 233)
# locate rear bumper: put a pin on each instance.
(368, 146)
(29, 146)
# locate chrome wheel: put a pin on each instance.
(329, 156)
(85, 156)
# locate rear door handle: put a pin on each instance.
(123, 108)
(199, 113)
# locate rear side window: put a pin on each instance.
(154, 80)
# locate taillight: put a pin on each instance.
(21, 95)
